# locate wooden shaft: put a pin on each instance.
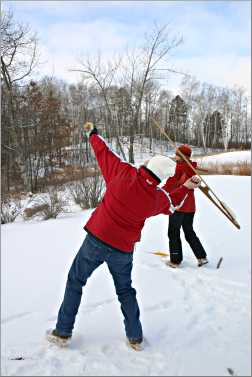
(205, 189)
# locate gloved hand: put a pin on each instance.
(89, 129)
(192, 182)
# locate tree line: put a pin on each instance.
(42, 120)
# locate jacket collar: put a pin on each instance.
(149, 176)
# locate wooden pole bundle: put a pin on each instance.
(205, 189)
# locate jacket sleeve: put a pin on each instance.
(109, 162)
(170, 201)
(188, 170)
(182, 173)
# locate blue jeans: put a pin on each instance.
(90, 256)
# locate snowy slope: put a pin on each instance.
(196, 320)
(228, 157)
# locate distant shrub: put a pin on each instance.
(88, 192)
(34, 211)
(228, 168)
(67, 174)
(10, 209)
(244, 168)
(47, 207)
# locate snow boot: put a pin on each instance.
(202, 261)
(172, 264)
(54, 337)
(135, 344)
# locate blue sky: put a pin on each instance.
(217, 34)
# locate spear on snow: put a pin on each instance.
(159, 253)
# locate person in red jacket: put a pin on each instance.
(132, 195)
(183, 216)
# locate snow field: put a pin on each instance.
(196, 320)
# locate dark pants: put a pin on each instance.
(90, 256)
(184, 220)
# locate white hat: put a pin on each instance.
(163, 167)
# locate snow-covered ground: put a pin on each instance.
(196, 320)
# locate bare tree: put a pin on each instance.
(150, 107)
(103, 75)
(178, 119)
(141, 67)
(225, 106)
(238, 126)
(18, 50)
(18, 59)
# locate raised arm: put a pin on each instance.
(109, 162)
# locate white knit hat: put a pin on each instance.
(163, 167)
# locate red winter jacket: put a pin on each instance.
(131, 197)
(182, 173)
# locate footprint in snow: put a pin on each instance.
(14, 317)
